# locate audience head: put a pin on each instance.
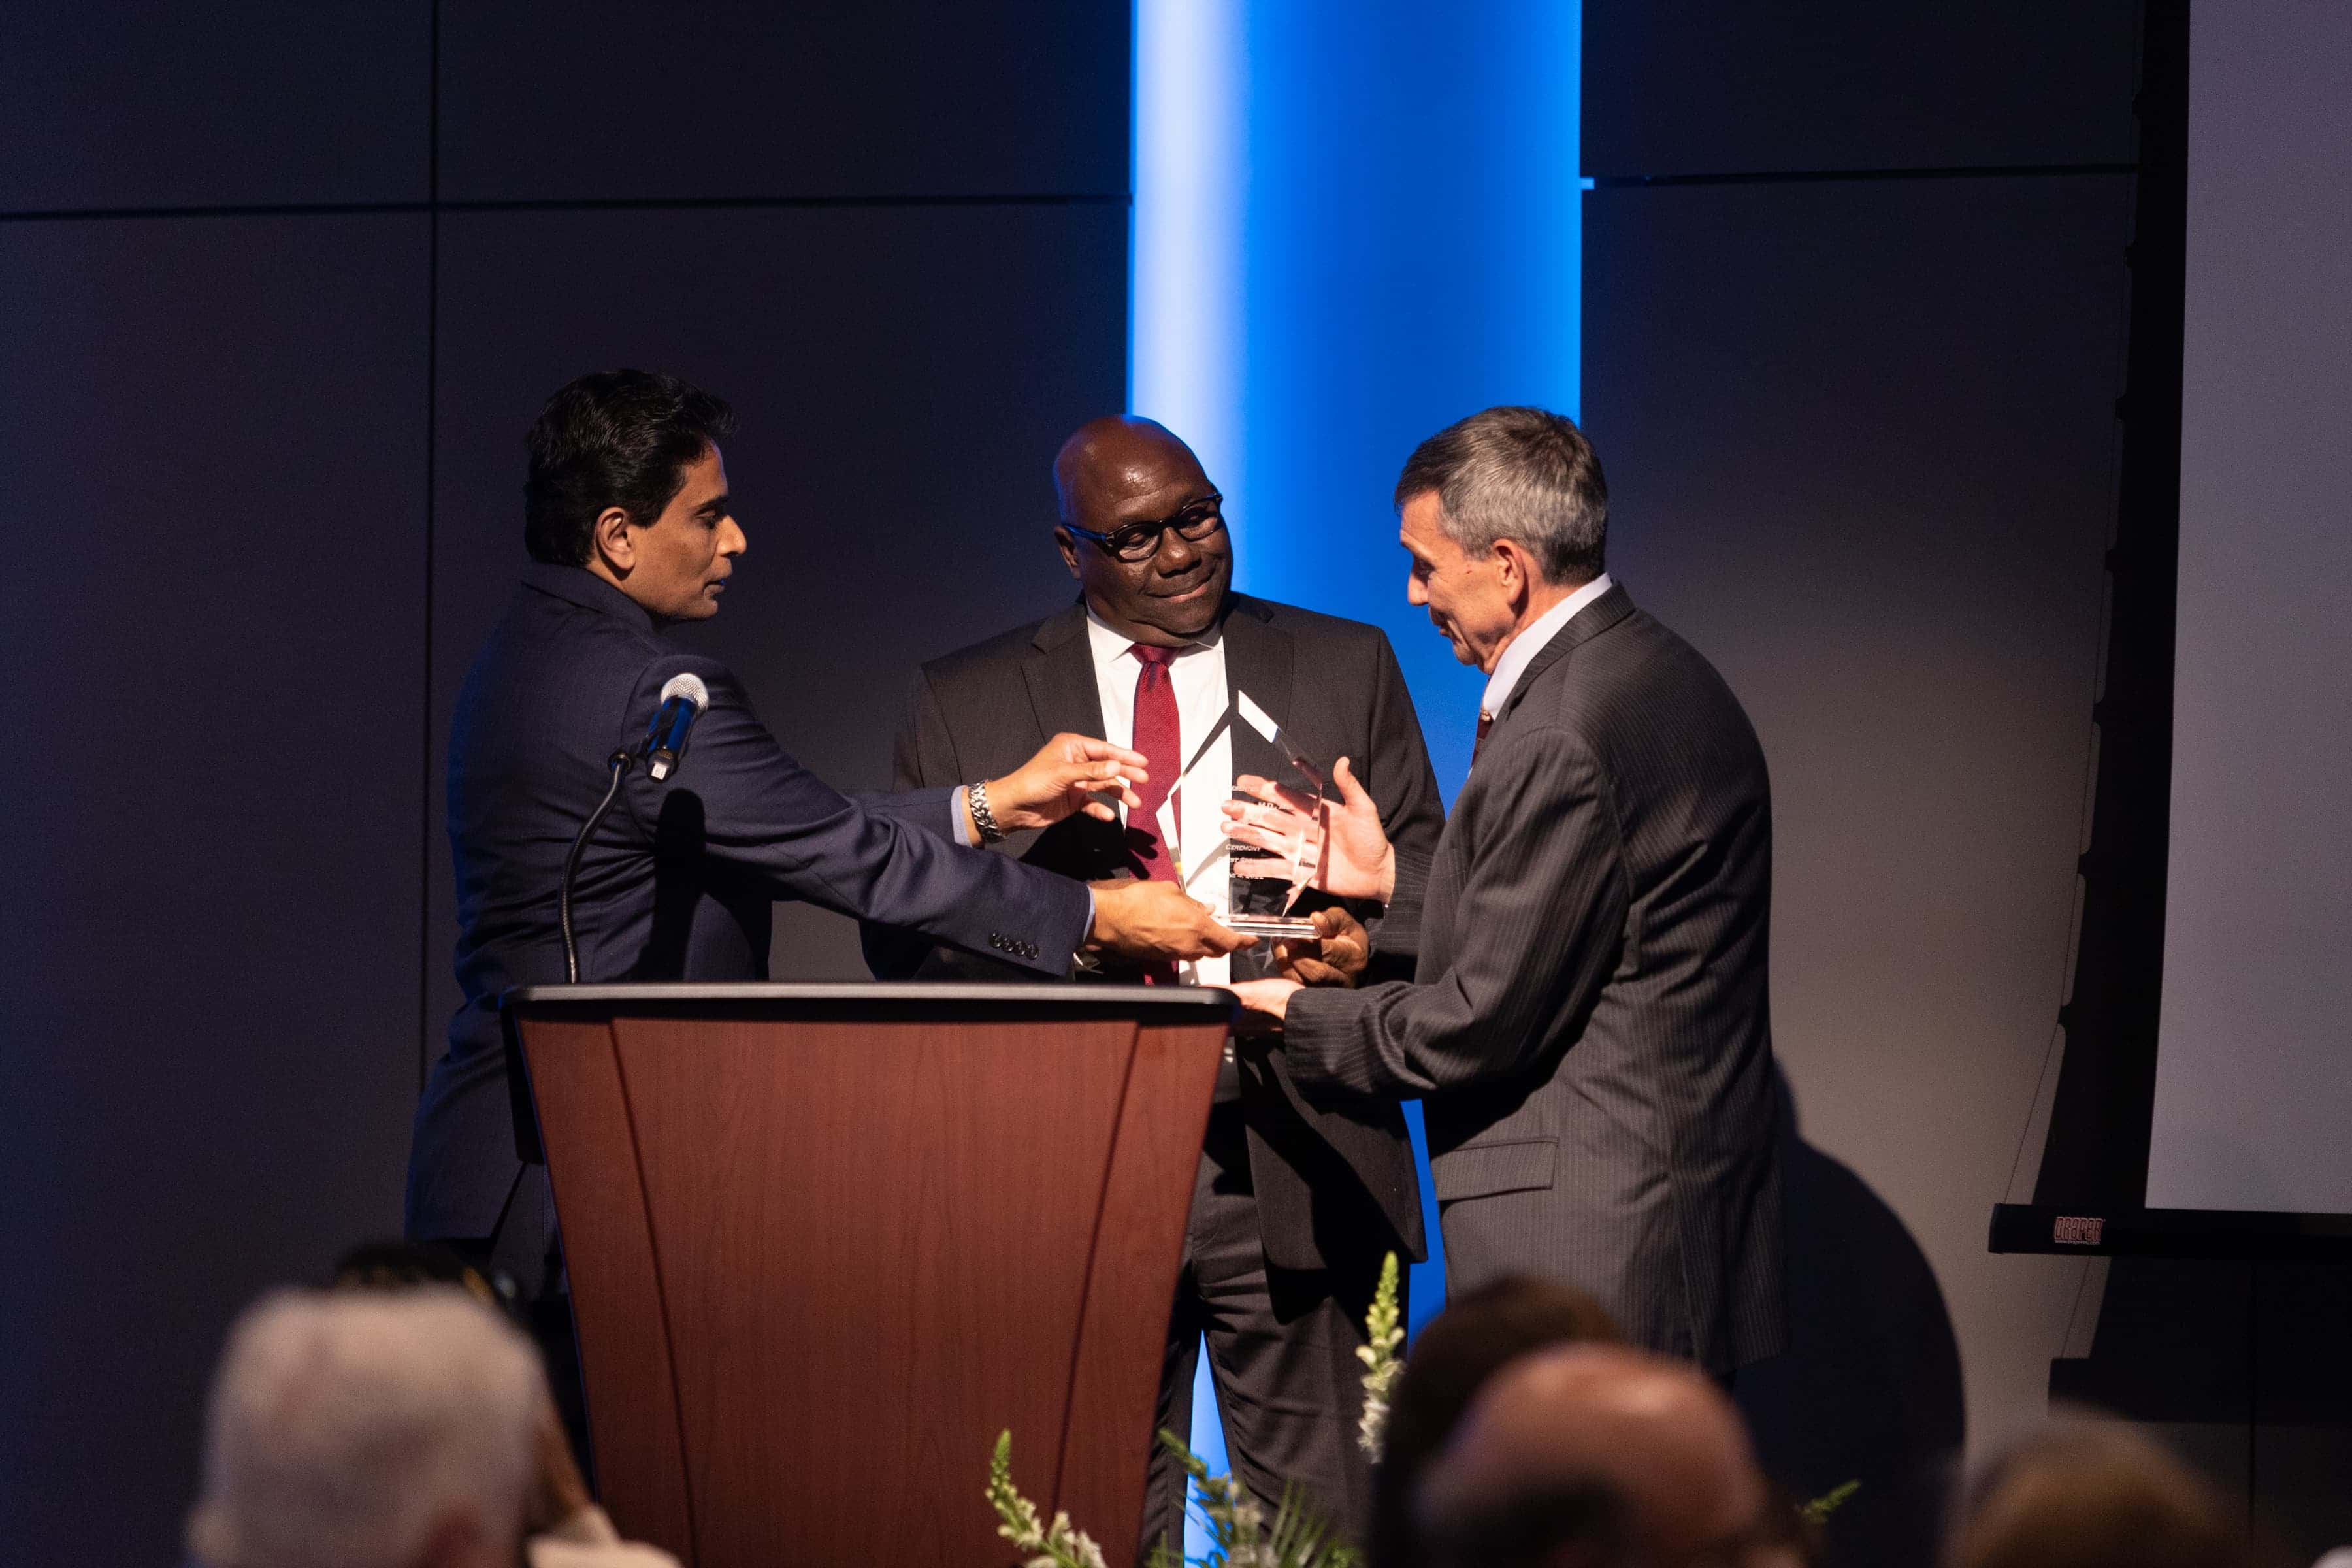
(1600, 1455)
(2087, 1494)
(1456, 1352)
(626, 481)
(1120, 480)
(1501, 512)
(558, 1490)
(368, 1429)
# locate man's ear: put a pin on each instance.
(1068, 546)
(1517, 569)
(614, 538)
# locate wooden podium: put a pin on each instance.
(826, 1241)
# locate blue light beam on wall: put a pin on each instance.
(1354, 222)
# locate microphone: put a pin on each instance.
(682, 702)
(683, 699)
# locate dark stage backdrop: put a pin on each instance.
(285, 284)
(1854, 315)
(1856, 300)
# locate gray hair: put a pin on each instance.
(346, 1428)
(1517, 473)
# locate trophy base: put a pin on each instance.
(1276, 927)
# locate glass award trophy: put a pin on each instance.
(1265, 883)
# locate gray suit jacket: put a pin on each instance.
(1333, 1182)
(1589, 1025)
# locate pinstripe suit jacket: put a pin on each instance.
(1588, 1023)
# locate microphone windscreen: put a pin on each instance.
(690, 686)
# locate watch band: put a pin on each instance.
(991, 831)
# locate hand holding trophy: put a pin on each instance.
(1335, 955)
(1340, 849)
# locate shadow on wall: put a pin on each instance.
(1869, 1388)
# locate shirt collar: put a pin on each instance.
(1109, 647)
(1530, 642)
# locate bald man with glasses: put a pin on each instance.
(1294, 1205)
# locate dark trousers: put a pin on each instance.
(1282, 1353)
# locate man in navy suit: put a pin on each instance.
(628, 526)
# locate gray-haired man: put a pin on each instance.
(369, 1430)
(1587, 1025)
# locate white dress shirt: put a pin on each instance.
(1197, 810)
(1524, 647)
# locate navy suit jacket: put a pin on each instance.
(679, 880)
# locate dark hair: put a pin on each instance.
(1523, 474)
(1477, 1335)
(615, 438)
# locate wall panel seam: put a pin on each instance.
(560, 203)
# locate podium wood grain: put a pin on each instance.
(818, 1262)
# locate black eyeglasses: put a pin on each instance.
(1140, 541)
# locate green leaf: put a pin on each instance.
(1819, 1510)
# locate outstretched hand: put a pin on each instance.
(1343, 849)
(1069, 773)
(1156, 920)
(1264, 1005)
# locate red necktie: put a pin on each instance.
(1161, 739)
(1485, 723)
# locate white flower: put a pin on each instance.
(1383, 1333)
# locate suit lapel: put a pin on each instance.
(1583, 626)
(1059, 671)
(1060, 674)
(1259, 660)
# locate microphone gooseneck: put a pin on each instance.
(619, 761)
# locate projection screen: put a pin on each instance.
(2253, 1099)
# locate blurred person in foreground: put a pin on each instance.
(1474, 1337)
(565, 1527)
(369, 1430)
(1600, 1457)
(1588, 1027)
(2092, 1494)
